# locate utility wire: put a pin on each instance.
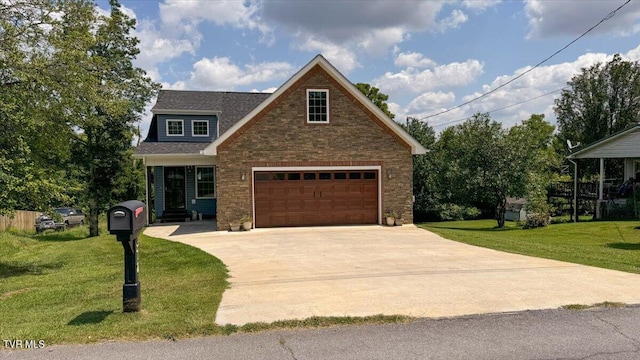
(609, 16)
(504, 107)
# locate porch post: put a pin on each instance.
(601, 188)
(575, 190)
(600, 191)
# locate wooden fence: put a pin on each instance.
(22, 220)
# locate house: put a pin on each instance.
(315, 152)
(622, 145)
(516, 209)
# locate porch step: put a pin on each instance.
(175, 216)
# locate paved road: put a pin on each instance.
(597, 334)
(296, 273)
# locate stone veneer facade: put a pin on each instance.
(279, 136)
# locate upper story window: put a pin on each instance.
(317, 106)
(200, 128)
(175, 127)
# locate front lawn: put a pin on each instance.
(64, 287)
(607, 244)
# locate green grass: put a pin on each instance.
(64, 287)
(607, 244)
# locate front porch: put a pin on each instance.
(613, 194)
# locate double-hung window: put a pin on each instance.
(317, 106)
(205, 182)
(200, 128)
(175, 127)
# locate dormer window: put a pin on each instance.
(200, 128)
(175, 127)
(317, 106)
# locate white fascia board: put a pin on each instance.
(416, 147)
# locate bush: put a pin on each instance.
(537, 220)
(454, 212)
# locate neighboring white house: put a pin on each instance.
(622, 145)
(516, 209)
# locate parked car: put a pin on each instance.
(71, 216)
(45, 222)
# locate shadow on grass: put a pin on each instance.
(90, 317)
(624, 246)
(491, 229)
(72, 234)
(17, 269)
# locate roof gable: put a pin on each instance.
(624, 144)
(341, 80)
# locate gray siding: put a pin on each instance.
(204, 206)
(187, 119)
(625, 146)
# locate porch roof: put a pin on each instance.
(168, 148)
(624, 144)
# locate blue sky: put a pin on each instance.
(428, 56)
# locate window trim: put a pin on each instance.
(326, 91)
(214, 182)
(181, 125)
(193, 128)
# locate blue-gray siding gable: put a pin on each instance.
(187, 126)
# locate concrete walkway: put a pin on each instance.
(295, 273)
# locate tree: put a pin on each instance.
(424, 181)
(482, 165)
(534, 142)
(34, 146)
(108, 101)
(379, 99)
(600, 100)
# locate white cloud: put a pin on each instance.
(413, 59)
(453, 21)
(449, 75)
(431, 101)
(340, 57)
(220, 73)
(480, 5)
(519, 99)
(567, 18)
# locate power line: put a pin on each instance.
(504, 107)
(609, 16)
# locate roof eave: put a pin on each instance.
(184, 112)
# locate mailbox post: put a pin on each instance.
(125, 221)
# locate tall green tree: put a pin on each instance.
(534, 140)
(108, 101)
(482, 165)
(601, 100)
(379, 99)
(425, 186)
(33, 145)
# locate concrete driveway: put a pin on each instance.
(295, 273)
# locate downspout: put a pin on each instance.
(575, 190)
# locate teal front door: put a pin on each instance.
(174, 188)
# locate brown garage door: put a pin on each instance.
(306, 198)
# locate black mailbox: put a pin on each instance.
(127, 217)
(126, 220)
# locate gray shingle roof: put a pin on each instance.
(232, 106)
(148, 148)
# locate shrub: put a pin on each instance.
(537, 220)
(454, 212)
